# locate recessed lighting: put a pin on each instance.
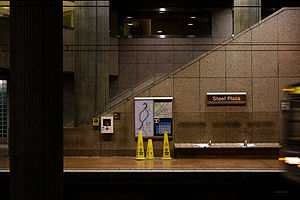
(5, 7)
(193, 17)
(162, 9)
(130, 24)
(162, 36)
(128, 17)
(159, 31)
(190, 24)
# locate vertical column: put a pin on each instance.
(246, 13)
(36, 139)
(91, 66)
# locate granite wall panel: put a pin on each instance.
(239, 127)
(144, 71)
(186, 95)
(266, 127)
(213, 65)
(163, 69)
(240, 85)
(130, 140)
(211, 85)
(265, 32)
(70, 138)
(238, 56)
(264, 60)
(128, 79)
(217, 127)
(192, 71)
(201, 46)
(289, 26)
(189, 127)
(265, 94)
(288, 60)
(88, 138)
(163, 89)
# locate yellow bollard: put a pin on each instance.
(140, 148)
(166, 152)
(150, 154)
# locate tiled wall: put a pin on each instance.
(260, 61)
(142, 58)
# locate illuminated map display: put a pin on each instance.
(162, 109)
(153, 116)
(144, 117)
(164, 125)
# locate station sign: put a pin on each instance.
(226, 98)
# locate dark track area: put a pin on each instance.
(94, 186)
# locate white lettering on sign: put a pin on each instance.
(228, 98)
(232, 98)
(215, 98)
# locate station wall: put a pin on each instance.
(134, 60)
(142, 58)
(260, 61)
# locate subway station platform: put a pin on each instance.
(124, 170)
(129, 164)
(124, 177)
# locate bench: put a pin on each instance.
(253, 150)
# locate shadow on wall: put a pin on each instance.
(68, 100)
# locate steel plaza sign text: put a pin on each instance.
(226, 98)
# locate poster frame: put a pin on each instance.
(154, 137)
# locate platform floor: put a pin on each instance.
(91, 178)
(86, 164)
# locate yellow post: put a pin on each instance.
(140, 148)
(150, 154)
(166, 152)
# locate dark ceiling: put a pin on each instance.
(124, 7)
(135, 4)
(152, 4)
